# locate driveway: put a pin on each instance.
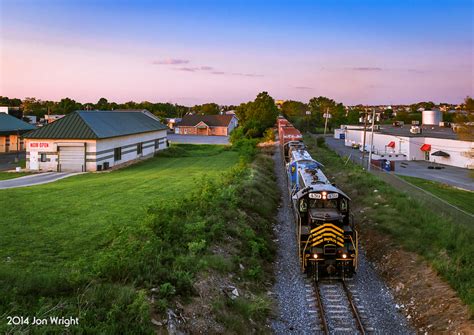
(7, 160)
(193, 139)
(451, 175)
(36, 179)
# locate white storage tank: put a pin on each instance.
(432, 117)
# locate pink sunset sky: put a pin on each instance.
(196, 52)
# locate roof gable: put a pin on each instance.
(71, 126)
(97, 125)
(202, 123)
(210, 120)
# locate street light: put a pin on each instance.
(307, 120)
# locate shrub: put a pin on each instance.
(269, 135)
(321, 142)
(236, 134)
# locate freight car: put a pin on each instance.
(289, 136)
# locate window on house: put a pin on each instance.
(139, 148)
(43, 158)
(157, 144)
(117, 154)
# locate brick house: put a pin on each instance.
(206, 125)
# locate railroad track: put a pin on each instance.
(338, 308)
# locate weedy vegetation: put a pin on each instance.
(445, 244)
(93, 246)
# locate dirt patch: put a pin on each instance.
(199, 313)
(430, 304)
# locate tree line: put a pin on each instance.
(39, 108)
(255, 117)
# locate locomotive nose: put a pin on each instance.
(331, 269)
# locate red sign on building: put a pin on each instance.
(39, 145)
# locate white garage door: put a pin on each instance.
(71, 159)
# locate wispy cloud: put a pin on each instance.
(254, 75)
(195, 69)
(303, 87)
(200, 69)
(187, 69)
(366, 68)
(171, 61)
(414, 70)
(211, 70)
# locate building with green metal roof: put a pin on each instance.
(94, 140)
(11, 130)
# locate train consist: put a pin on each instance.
(328, 242)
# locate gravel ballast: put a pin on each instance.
(372, 296)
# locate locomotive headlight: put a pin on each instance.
(324, 195)
(315, 256)
(344, 256)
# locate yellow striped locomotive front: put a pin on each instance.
(329, 251)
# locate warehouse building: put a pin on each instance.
(427, 142)
(11, 130)
(206, 125)
(94, 140)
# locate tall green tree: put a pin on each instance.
(353, 116)
(67, 105)
(318, 107)
(258, 115)
(469, 104)
(14, 102)
(294, 109)
(207, 109)
(102, 104)
(33, 106)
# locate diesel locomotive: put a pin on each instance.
(328, 241)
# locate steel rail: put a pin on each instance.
(322, 316)
(355, 312)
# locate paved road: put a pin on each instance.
(36, 179)
(192, 139)
(450, 175)
(7, 160)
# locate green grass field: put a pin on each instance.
(93, 246)
(459, 198)
(11, 175)
(44, 226)
(91, 237)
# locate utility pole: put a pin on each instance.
(371, 140)
(326, 122)
(308, 113)
(363, 141)
(17, 158)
